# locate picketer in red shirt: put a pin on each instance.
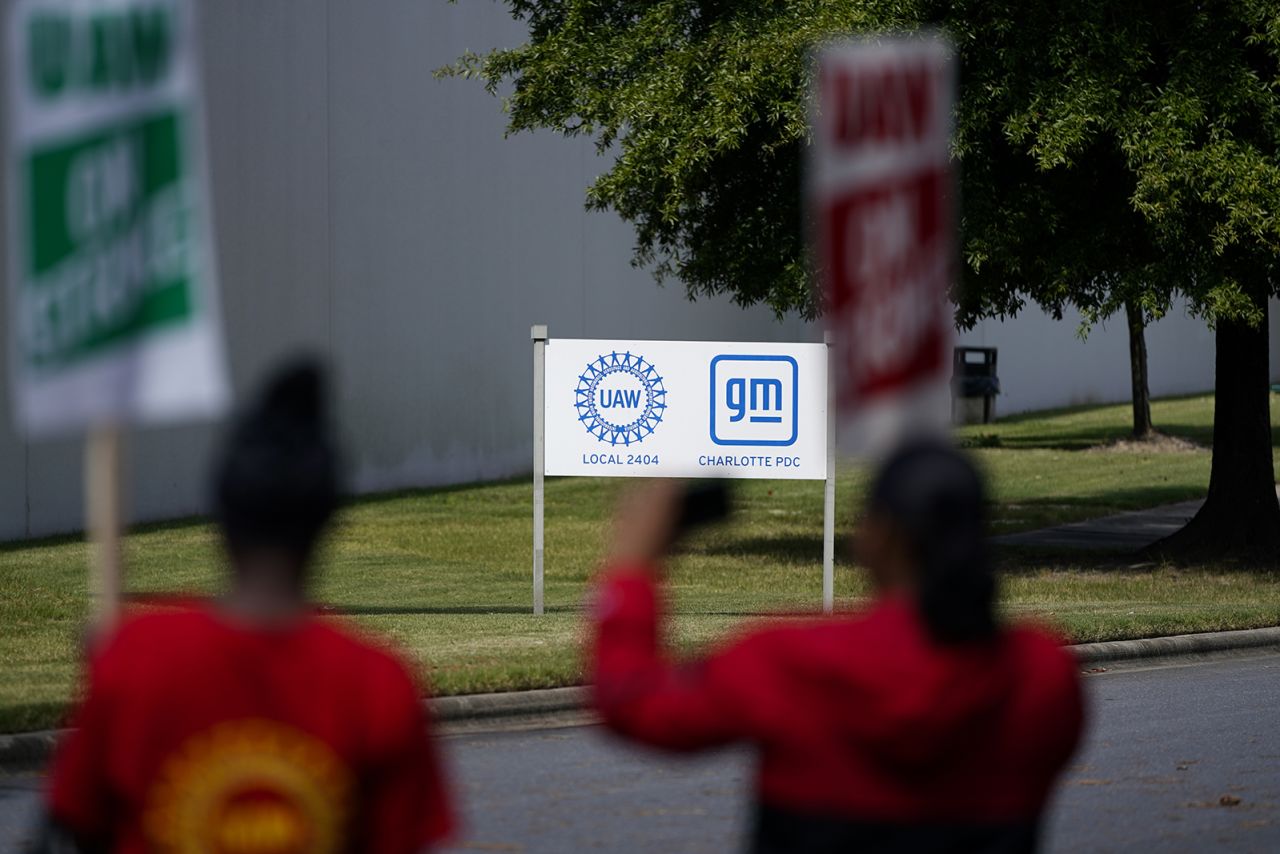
(918, 723)
(199, 732)
(252, 726)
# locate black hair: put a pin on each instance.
(276, 482)
(935, 497)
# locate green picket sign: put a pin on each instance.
(110, 249)
(113, 312)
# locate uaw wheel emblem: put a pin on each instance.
(620, 398)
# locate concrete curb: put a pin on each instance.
(30, 750)
(24, 751)
(512, 704)
(1177, 646)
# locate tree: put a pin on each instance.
(1110, 154)
(1136, 148)
(1138, 376)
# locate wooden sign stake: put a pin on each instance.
(102, 511)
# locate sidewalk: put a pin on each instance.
(1123, 532)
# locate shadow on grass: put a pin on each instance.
(428, 491)
(783, 609)
(1085, 438)
(74, 537)
(429, 610)
(780, 609)
(782, 549)
(1004, 433)
(179, 599)
(77, 537)
(1026, 560)
(1023, 560)
(1135, 498)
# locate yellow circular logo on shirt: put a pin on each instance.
(250, 787)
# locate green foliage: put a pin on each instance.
(1107, 151)
(1114, 151)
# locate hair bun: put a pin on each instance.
(277, 480)
(296, 393)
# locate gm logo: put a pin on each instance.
(753, 400)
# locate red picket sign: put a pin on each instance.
(880, 189)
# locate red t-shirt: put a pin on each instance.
(198, 734)
(858, 717)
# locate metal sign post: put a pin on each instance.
(539, 335)
(829, 494)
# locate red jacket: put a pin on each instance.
(197, 734)
(859, 717)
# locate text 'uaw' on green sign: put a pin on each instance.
(113, 313)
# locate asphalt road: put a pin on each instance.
(1166, 746)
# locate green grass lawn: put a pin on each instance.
(446, 573)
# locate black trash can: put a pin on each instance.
(974, 385)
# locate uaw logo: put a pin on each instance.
(620, 398)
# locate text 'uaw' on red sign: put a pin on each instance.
(880, 191)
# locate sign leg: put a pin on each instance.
(539, 335)
(829, 495)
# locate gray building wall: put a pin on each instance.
(370, 213)
(373, 214)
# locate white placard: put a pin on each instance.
(112, 296)
(686, 409)
(881, 190)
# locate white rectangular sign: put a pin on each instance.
(686, 409)
(882, 196)
(112, 304)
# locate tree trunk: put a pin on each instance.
(1241, 516)
(1138, 372)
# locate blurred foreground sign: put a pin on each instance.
(113, 314)
(880, 191)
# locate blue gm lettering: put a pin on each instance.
(766, 395)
